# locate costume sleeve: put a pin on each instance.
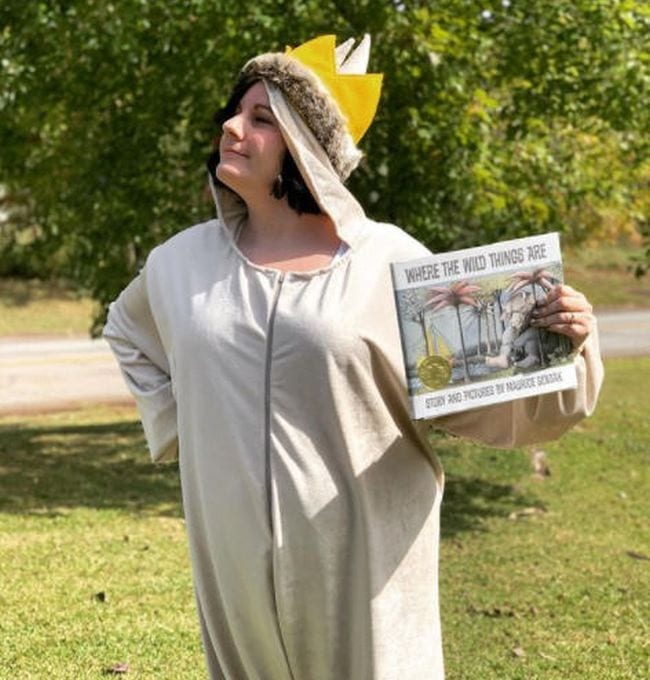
(534, 419)
(132, 333)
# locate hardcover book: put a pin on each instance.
(464, 319)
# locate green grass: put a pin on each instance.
(82, 511)
(31, 307)
(558, 584)
(605, 275)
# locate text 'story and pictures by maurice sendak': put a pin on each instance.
(464, 320)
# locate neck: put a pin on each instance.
(276, 235)
(272, 219)
(272, 223)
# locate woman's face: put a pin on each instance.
(251, 149)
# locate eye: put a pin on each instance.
(265, 121)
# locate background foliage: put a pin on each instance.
(498, 119)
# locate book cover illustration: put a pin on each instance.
(464, 319)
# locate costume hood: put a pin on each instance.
(323, 105)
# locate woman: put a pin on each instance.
(263, 349)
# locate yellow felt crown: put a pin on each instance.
(356, 93)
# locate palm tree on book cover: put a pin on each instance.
(484, 313)
(459, 293)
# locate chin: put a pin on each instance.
(226, 176)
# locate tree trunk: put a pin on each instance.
(489, 330)
(462, 344)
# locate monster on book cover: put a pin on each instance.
(464, 319)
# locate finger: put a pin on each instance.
(557, 291)
(577, 333)
(568, 302)
(581, 323)
(568, 305)
(562, 291)
(563, 318)
(577, 327)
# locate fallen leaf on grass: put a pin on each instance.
(496, 612)
(526, 512)
(117, 669)
(538, 459)
(636, 555)
(501, 611)
(518, 652)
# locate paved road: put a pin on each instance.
(55, 374)
(625, 333)
(50, 375)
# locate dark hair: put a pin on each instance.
(292, 183)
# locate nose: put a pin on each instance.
(233, 126)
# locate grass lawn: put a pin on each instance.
(93, 553)
(33, 307)
(544, 579)
(605, 276)
(563, 590)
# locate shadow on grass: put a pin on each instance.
(46, 470)
(478, 486)
(470, 501)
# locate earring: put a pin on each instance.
(278, 190)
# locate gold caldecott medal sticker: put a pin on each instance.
(434, 371)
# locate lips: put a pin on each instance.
(234, 151)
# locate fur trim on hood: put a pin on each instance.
(311, 100)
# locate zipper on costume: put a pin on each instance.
(267, 396)
(267, 443)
